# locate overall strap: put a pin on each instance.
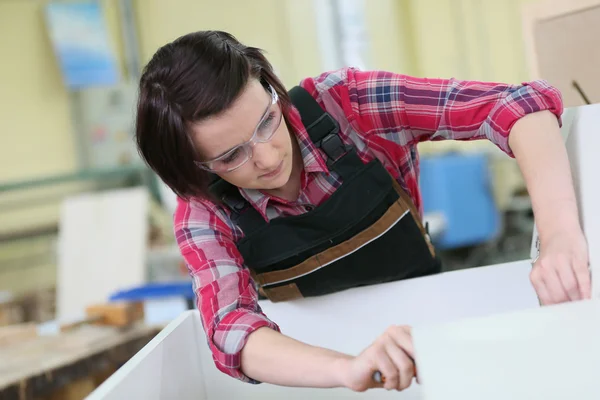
(318, 123)
(242, 213)
(324, 131)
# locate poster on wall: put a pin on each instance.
(80, 39)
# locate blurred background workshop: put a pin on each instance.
(89, 267)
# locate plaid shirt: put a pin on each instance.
(383, 115)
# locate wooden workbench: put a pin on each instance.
(70, 365)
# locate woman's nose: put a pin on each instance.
(265, 156)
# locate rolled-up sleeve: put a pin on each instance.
(407, 110)
(519, 101)
(225, 291)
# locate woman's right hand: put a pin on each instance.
(392, 354)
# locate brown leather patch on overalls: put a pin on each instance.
(407, 202)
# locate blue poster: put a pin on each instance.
(81, 43)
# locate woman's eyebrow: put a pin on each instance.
(260, 122)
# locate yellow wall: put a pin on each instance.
(35, 115)
(391, 37)
(468, 39)
(35, 119)
(286, 30)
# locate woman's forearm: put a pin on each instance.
(272, 357)
(540, 152)
(561, 272)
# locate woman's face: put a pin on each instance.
(253, 114)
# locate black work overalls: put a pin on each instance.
(367, 232)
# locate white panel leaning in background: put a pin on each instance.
(102, 248)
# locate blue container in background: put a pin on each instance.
(162, 301)
(156, 290)
(460, 187)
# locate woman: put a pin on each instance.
(284, 195)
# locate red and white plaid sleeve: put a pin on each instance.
(408, 110)
(226, 294)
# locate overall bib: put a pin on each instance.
(367, 232)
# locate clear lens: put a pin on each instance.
(234, 159)
(270, 125)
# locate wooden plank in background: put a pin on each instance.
(39, 367)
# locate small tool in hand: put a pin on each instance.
(378, 377)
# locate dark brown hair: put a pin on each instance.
(196, 76)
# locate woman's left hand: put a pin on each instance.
(561, 272)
